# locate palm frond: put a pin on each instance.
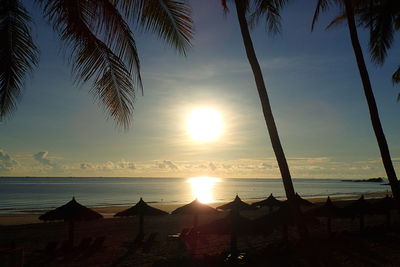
(322, 6)
(119, 37)
(18, 53)
(169, 19)
(396, 76)
(382, 31)
(337, 20)
(92, 58)
(271, 10)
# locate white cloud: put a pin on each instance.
(6, 162)
(41, 157)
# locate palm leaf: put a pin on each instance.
(322, 6)
(271, 10)
(396, 76)
(118, 37)
(169, 19)
(381, 31)
(18, 53)
(92, 59)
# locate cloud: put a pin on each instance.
(212, 166)
(126, 165)
(41, 157)
(86, 166)
(167, 164)
(6, 162)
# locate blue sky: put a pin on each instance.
(312, 80)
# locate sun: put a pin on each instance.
(205, 124)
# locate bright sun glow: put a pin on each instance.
(202, 188)
(205, 125)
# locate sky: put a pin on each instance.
(312, 81)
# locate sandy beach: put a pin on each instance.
(25, 232)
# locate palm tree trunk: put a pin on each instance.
(373, 109)
(269, 118)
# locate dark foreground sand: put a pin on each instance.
(377, 246)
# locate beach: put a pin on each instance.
(25, 231)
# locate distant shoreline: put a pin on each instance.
(152, 177)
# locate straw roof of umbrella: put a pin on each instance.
(141, 208)
(195, 207)
(328, 209)
(236, 204)
(72, 211)
(227, 224)
(271, 201)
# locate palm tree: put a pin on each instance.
(99, 44)
(270, 9)
(349, 7)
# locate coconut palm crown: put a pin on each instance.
(98, 42)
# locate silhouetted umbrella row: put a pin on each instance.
(233, 223)
(356, 209)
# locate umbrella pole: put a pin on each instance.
(141, 233)
(71, 232)
(195, 220)
(388, 218)
(285, 233)
(234, 251)
(329, 225)
(361, 222)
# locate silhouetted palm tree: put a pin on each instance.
(98, 41)
(270, 9)
(349, 7)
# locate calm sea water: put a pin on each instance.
(34, 195)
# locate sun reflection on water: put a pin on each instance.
(202, 188)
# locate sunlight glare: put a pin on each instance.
(205, 124)
(202, 188)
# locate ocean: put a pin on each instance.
(35, 195)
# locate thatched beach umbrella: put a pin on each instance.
(237, 204)
(358, 208)
(327, 210)
(71, 212)
(270, 202)
(141, 209)
(195, 208)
